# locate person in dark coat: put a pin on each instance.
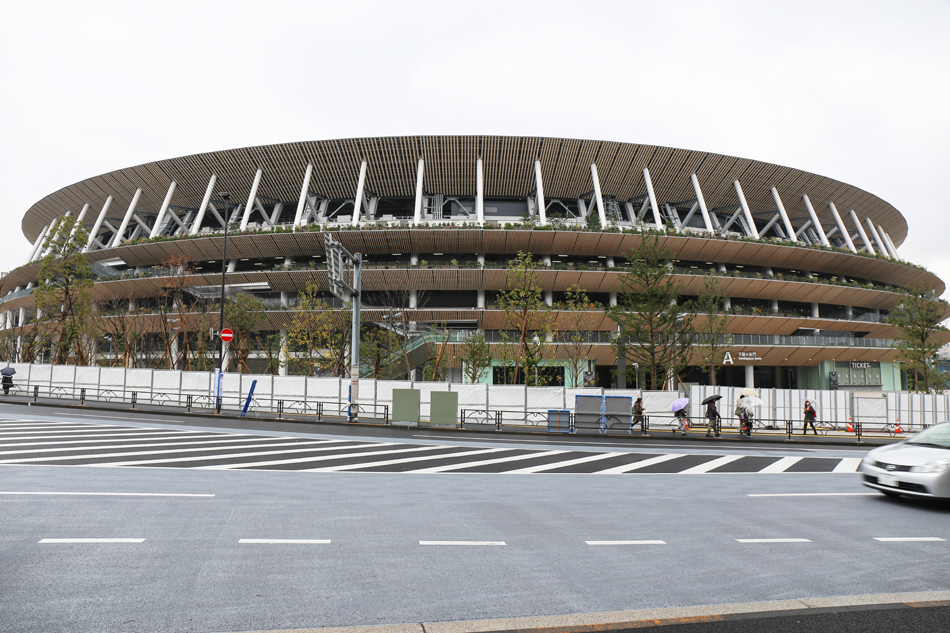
(638, 413)
(7, 383)
(810, 417)
(712, 414)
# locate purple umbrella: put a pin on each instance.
(680, 403)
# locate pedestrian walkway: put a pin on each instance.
(67, 443)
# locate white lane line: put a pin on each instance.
(773, 540)
(570, 462)
(461, 542)
(202, 449)
(488, 462)
(781, 465)
(848, 465)
(316, 458)
(284, 541)
(640, 464)
(711, 465)
(262, 453)
(909, 539)
(625, 542)
(109, 494)
(405, 460)
(93, 540)
(153, 438)
(88, 429)
(816, 494)
(190, 441)
(125, 435)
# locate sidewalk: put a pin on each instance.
(290, 421)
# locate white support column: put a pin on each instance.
(877, 238)
(358, 203)
(845, 234)
(548, 297)
(861, 232)
(650, 193)
(302, 202)
(888, 242)
(479, 192)
(745, 209)
(284, 356)
(598, 197)
(117, 238)
(161, 212)
(420, 172)
(196, 224)
(480, 300)
(750, 376)
(37, 244)
(815, 222)
(542, 212)
(251, 200)
(50, 233)
(79, 219)
(702, 203)
(785, 219)
(98, 224)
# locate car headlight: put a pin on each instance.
(937, 466)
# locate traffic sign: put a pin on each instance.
(226, 335)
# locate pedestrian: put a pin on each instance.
(712, 414)
(7, 382)
(810, 417)
(745, 418)
(683, 421)
(638, 413)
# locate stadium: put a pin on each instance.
(808, 265)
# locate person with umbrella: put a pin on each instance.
(810, 417)
(679, 411)
(712, 414)
(744, 413)
(7, 380)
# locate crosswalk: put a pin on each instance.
(43, 442)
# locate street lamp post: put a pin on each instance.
(224, 268)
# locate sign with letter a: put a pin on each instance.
(727, 359)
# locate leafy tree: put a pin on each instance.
(376, 350)
(476, 356)
(436, 342)
(528, 320)
(320, 335)
(655, 331)
(712, 330)
(270, 344)
(117, 323)
(244, 312)
(63, 292)
(918, 318)
(576, 326)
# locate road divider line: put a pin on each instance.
(848, 465)
(814, 494)
(570, 462)
(284, 541)
(909, 539)
(109, 494)
(625, 542)
(461, 542)
(773, 540)
(781, 465)
(643, 463)
(93, 540)
(403, 460)
(711, 465)
(487, 462)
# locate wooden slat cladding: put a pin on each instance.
(450, 170)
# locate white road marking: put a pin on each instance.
(711, 465)
(909, 539)
(640, 464)
(110, 494)
(570, 462)
(625, 542)
(130, 434)
(816, 494)
(199, 458)
(487, 462)
(93, 540)
(773, 540)
(284, 541)
(848, 465)
(781, 465)
(461, 542)
(190, 441)
(405, 460)
(320, 458)
(154, 438)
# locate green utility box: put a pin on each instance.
(444, 407)
(406, 406)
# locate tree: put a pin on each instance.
(475, 354)
(63, 292)
(319, 335)
(712, 331)
(243, 312)
(655, 331)
(576, 326)
(436, 342)
(918, 318)
(117, 322)
(528, 320)
(376, 350)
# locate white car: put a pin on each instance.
(919, 466)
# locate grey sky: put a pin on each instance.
(856, 91)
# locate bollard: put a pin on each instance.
(646, 425)
(319, 411)
(280, 408)
(188, 402)
(788, 428)
(498, 420)
(82, 396)
(386, 413)
(857, 430)
(135, 395)
(36, 392)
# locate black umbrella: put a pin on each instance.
(712, 399)
(7, 371)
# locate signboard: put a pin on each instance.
(226, 335)
(740, 357)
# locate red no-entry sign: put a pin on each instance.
(226, 335)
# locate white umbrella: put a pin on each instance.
(750, 401)
(748, 391)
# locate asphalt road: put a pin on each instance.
(248, 549)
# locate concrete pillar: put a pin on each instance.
(750, 376)
(598, 197)
(251, 200)
(652, 196)
(284, 355)
(727, 303)
(174, 351)
(613, 299)
(302, 201)
(479, 192)
(773, 304)
(196, 223)
(702, 203)
(849, 312)
(480, 257)
(546, 260)
(417, 215)
(745, 209)
(548, 298)
(414, 259)
(117, 238)
(226, 356)
(862, 232)
(721, 268)
(481, 298)
(815, 222)
(542, 212)
(845, 233)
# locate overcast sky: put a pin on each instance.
(858, 91)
